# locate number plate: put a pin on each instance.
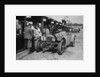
(43, 38)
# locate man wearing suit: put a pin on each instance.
(28, 36)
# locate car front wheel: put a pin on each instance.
(37, 44)
(61, 47)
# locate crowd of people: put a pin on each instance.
(31, 32)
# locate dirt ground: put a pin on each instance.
(71, 53)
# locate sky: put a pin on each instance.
(73, 19)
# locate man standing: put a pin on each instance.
(37, 31)
(18, 27)
(32, 47)
(36, 34)
(28, 36)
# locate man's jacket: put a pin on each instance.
(28, 33)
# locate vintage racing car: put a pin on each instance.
(60, 40)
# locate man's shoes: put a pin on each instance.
(31, 51)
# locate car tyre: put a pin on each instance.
(61, 47)
(37, 44)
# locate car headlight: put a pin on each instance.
(53, 39)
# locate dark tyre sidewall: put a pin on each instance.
(60, 50)
(36, 45)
